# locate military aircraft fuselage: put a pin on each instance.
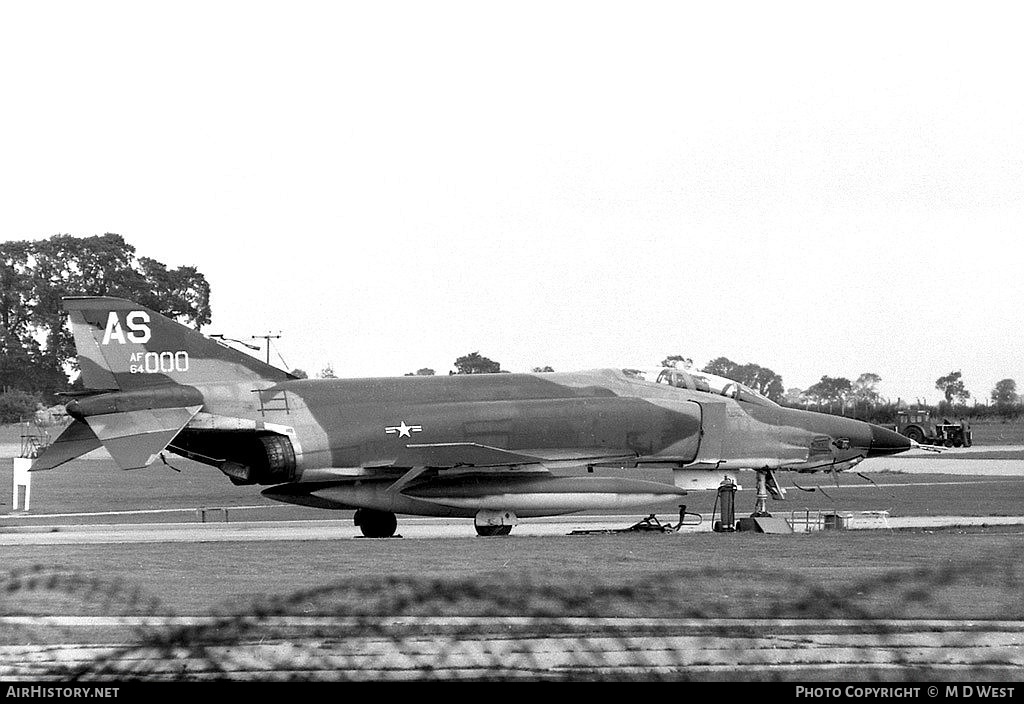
(488, 445)
(566, 418)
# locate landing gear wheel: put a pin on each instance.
(376, 524)
(493, 530)
(494, 522)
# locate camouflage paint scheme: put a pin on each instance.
(428, 445)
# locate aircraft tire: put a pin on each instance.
(487, 531)
(376, 524)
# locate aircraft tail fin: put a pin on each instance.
(141, 370)
(122, 346)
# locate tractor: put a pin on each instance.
(918, 426)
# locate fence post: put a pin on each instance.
(22, 478)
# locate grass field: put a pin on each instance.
(836, 606)
(740, 574)
(212, 576)
(998, 433)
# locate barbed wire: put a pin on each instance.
(677, 625)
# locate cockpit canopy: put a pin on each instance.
(700, 381)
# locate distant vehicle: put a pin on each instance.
(918, 426)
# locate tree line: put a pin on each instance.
(838, 395)
(37, 354)
(859, 398)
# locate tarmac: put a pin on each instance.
(419, 528)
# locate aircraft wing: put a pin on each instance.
(468, 454)
(460, 454)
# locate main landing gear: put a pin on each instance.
(489, 522)
(382, 524)
(375, 524)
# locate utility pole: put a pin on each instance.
(268, 337)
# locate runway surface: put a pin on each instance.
(468, 648)
(412, 528)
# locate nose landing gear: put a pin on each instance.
(766, 484)
(760, 520)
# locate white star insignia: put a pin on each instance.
(403, 430)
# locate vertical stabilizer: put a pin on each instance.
(122, 345)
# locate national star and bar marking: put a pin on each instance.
(403, 430)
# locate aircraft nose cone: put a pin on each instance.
(886, 442)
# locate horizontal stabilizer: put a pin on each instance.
(76, 440)
(459, 454)
(134, 439)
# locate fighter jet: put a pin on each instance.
(492, 447)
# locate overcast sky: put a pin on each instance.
(819, 188)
